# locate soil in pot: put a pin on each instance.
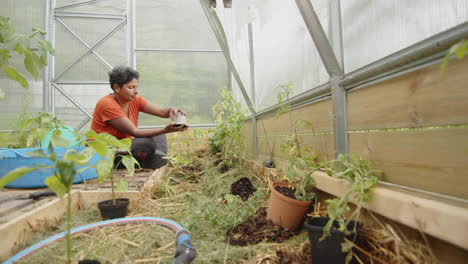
(89, 261)
(257, 229)
(328, 250)
(243, 188)
(111, 211)
(286, 191)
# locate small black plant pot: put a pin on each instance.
(328, 250)
(111, 211)
(89, 261)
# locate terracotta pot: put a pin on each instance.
(284, 211)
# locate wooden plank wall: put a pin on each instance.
(272, 131)
(419, 155)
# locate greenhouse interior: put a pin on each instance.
(234, 131)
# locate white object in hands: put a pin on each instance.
(180, 120)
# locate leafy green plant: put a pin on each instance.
(363, 178)
(227, 137)
(11, 41)
(33, 130)
(111, 148)
(65, 168)
(301, 158)
(459, 50)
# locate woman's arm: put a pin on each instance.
(123, 124)
(161, 112)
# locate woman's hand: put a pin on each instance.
(170, 128)
(173, 112)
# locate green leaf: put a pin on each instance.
(54, 183)
(29, 64)
(99, 146)
(461, 51)
(2, 94)
(82, 158)
(129, 163)
(16, 76)
(122, 186)
(67, 171)
(15, 174)
(103, 169)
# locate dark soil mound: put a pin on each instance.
(286, 256)
(256, 229)
(286, 191)
(243, 187)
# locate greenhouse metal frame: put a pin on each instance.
(329, 43)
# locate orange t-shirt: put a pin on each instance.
(107, 109)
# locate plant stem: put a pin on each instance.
(67, 236)
(112, 185)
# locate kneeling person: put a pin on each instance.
(117, 114)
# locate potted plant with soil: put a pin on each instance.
(115, 207)
(332, 238)
(290, 199)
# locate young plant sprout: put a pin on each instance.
(64, 169)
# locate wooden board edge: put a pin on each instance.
(444, 221)
(17, 230)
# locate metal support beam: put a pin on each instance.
(71, 99)
(51, 58)
(133, 31)
(99, 57)
(46, 74)
(298, 100)
(339, 116)
(319, 37)
(175, 50)
(340, 113)
(86, 2)
(60, 13)
(82, 124)
(221, 37)
(252, 92)
(96, 45)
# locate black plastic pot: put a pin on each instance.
(328, 250)
(111, 211)
(89, 261)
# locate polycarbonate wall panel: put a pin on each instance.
(86, 95)
(173, 24)
(284, 52)
(378, 28)
(25, 14)
(90, 30)
(187, 80)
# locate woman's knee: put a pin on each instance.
(143, 148)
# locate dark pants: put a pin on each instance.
(149, 152)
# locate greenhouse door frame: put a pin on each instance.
(53, 15)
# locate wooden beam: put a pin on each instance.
(417, 99)
(434, 160)
(16, 231)
(319, 114)
(444, 221)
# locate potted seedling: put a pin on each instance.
(113, 208)
(63, 168)
(290, 199)
(332, 238)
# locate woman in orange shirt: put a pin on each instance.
(117, 114)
